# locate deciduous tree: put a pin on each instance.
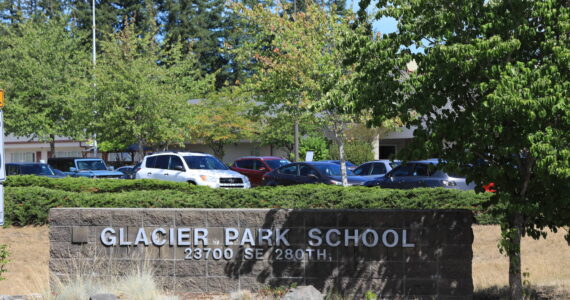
(142, 91)
(296, 58)
(43, 68)
(491, 97)
(220, 120)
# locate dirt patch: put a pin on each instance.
(547, 262)
(29, 257)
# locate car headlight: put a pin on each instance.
(335, 182)
(449, 183)
(207, 178)
(245, 179)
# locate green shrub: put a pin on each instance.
(3, 260)
(356, 152)
(316, 144)
(29, 198)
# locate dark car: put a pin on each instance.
(424, 173)
(129, 171)
(38, 169)
(310, 172)
(254, 167)
(349, 165)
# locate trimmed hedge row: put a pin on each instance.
(29, 198)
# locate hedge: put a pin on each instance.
(29, 198)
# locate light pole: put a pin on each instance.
(94, 64)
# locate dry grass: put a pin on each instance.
(546, 261)
(29, 257)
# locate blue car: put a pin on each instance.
(38, 169)
(84, 167)
(422, 173)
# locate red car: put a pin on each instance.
(254, 167)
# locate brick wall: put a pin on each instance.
(431, 258)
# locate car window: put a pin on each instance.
(96, 165)
(378, 169)
(305, 170)
(175, 161)
(258, 165)
(204, 163)
(150, 161)
(36, 170)
(331, 170)
(394, 164)
(162, 162)
(288, 170)
(245, 164)
(405, 170)
(362, 170)
(276, 163)
(421, 170)
(12, 170)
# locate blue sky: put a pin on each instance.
(384, 25)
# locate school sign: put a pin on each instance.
(394, 253)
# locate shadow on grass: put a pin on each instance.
(531, 293)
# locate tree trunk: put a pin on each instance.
(218, 149)
(342, 162)
(141, 149)
(52, 144)
(514, 252)
(296, 138)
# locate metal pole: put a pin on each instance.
(94, 46)
(2, 167)
(94, 64)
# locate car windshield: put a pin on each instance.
(276, 163)
(36, 170)
(331, 170)
(204, 163)
(96, 165)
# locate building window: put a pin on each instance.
(68, 154)
(387, 151)
(22, 157)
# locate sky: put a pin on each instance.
(384, 25)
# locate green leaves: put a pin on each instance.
(43, 69)
(143, 90)
(491, 96)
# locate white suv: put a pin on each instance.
(194, 168)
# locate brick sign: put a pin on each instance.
(394, 253)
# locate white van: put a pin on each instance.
(194, 168)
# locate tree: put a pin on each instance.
(295, 58)
(142, 91)
(490, 98)
(221, 120)
(112, 16)
(15, 11)
(43, 69)
(276, 130)
(202, 23)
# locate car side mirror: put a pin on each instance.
(262, 169)
(72, 169)
(179, 168)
